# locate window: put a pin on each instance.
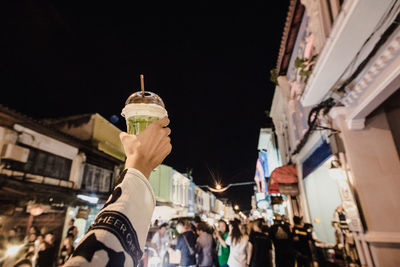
(43, 163)
(96, 179)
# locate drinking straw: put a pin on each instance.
(142, 83)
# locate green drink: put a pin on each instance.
(142, 108)
(137, 124)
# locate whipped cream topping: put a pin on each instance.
(142, 109)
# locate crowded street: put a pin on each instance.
(200, 135)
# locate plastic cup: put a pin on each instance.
(141, 109)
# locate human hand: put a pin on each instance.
(216, 232)
(148, 149)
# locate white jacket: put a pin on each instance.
(118, 235)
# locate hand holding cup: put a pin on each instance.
(149, 148)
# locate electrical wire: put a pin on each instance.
(392, 12)
(312, 121)
(327, 104)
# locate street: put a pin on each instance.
(267, 136)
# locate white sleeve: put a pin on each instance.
(156, 238)
(118, 234)
(228, 240)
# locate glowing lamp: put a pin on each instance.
(36, 210)
(13, 250)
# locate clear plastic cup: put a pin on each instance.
(141, 109)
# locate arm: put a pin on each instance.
(270, 251)
(198, 245)
(228, 240)
(220, 239)
(154, 241)
(118, 235)
(179, 243)
(249, 252)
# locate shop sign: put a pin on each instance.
(262, 204)
(260, 196)
(289, 189)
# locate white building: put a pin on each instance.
(356, 69)
(267, 144)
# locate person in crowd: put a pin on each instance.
(72, 230)
(12, 237)
(221, 234)
(260, 246)
(39, 240)
(194, 223)
(249, 227)
(44, 230)
(30, 248)
(160, 240)
(301, 243)
(32, 233)
(23, 263)
(239, 246)
(30, 256)
(66, 250)
(265, 227)
(186, 243)
(33, 230)
(204, 246)
(282, 239)
(2, 238)
(30, 242)
(313, 243)
(130, 206)
(47, 250)
(196, 220)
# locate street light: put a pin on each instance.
(219, 189)
(236, 207)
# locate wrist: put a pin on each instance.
(140, 165)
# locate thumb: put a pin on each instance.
(122, 136)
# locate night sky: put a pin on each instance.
(61, 58)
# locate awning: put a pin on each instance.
(285, 175)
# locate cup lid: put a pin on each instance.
(145, 97)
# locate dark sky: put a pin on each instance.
(60, 58)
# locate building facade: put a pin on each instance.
(52, 171)
(336, 110)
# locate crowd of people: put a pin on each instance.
(237, 244)
(37, 248)
(227, 244)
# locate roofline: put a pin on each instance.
(50, 131)
(295, 6)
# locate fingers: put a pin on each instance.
(163, 122)
(167, 130)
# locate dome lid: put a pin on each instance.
(145, 97)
